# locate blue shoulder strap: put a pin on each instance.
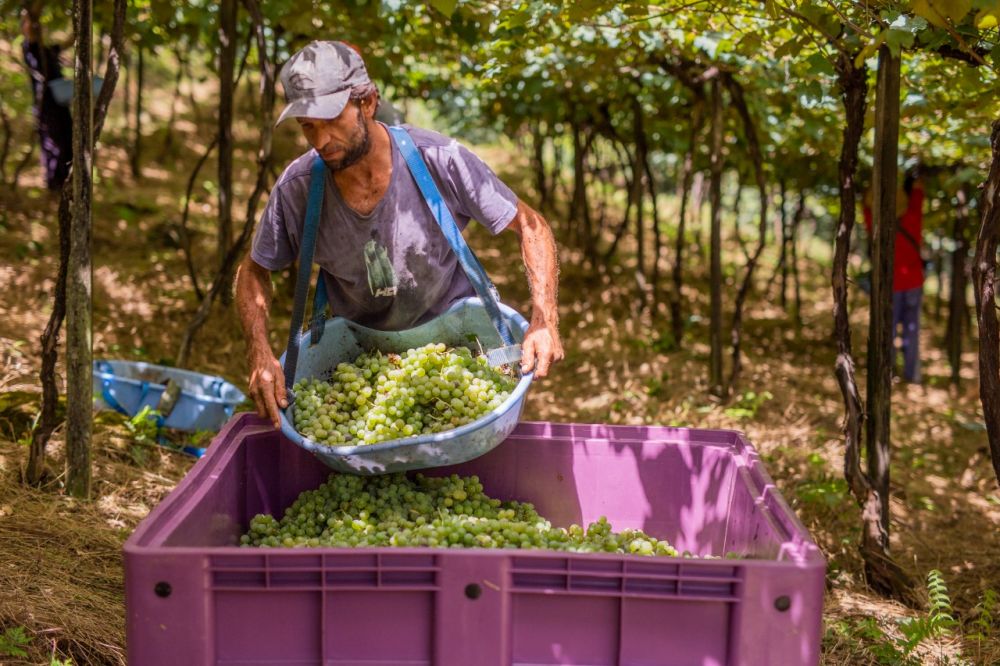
(470, 263)
(314, 205)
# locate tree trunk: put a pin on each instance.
(555, 178)
(794, 258)
(227, 66)
(939, 271)
(48, 419)
(853, 85)
(630, 201)
(79, 331)
(882, 573)
(984, 277)
(697, 202)
(127, 94)
(137, 141)
(234, 253)
(193, 104)
(639, 168)
(5, 147)
(715, 200)
(737, 217)
(687, 171)
(538, 164)
(168, 139)
(957, 305)
(655, 289)
(757, 159)
(185, 237)
(783, 255)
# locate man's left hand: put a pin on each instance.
(540, 349)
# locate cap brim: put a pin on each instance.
(327, 107)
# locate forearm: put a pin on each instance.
(253, 301)
(541, 263)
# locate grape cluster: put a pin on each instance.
(381, 397)
(444, 512)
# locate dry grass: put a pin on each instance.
(60, 559)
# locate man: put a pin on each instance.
(385, 261)
(53, 121)
(907, 271)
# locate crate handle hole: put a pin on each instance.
(162, 589)
(783, 603)
(473, 591)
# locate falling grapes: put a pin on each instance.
(382, 397)
(444, 512)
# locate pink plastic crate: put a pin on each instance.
(194, 597)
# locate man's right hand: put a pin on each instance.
(267, 386)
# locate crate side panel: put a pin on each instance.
(265, 475)
(168, 614)
(378, 626)
(750, 533)
(679, 633)
(214, 516)
(565, 629)
(677, 491)
(268, 627)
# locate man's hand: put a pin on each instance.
(267, 386)
(540, 349)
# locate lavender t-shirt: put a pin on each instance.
(391, 269)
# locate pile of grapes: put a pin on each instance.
(444, 512)
(381, 397)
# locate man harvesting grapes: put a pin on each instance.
(384, 259)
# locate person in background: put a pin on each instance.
(52, 120)
(907, 271)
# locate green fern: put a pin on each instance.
(984, 618)
(13, 641)
(940, 619)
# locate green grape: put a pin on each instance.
(420, 511)
(382, 397)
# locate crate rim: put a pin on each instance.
(800, 550)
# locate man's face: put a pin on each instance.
(342, 141)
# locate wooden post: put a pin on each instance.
(880, 334)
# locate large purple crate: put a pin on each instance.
(194, 597)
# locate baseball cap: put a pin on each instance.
(318, 80)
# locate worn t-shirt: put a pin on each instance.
(391, 269)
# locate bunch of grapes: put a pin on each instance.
(382, 397)
(444, 512)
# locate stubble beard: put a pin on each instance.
(359, 147)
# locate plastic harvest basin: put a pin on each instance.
(465, 324)
(205, 402)
(194, 597)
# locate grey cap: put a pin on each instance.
(318, 80)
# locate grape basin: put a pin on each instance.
(464, 324)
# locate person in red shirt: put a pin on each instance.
(907, 272)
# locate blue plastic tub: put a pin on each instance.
(205, 402)
(465, 324)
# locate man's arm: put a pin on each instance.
(542, 345)
(253, 301)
